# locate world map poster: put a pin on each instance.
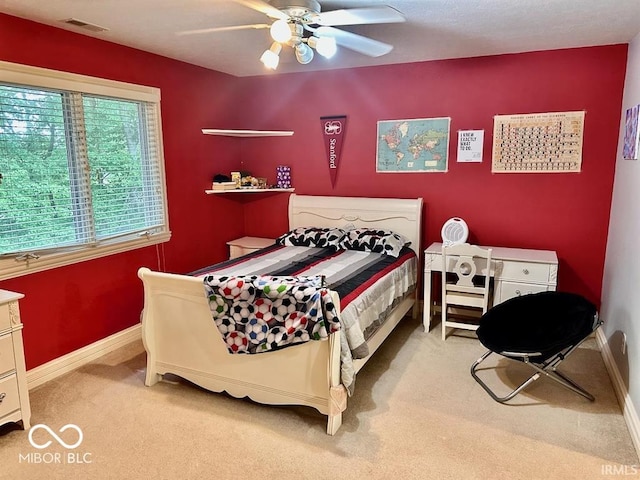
(413, 145)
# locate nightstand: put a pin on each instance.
(244, 245)
(14, 394)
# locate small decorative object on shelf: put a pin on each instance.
(222, 182)
(236, 178)
(283, 176)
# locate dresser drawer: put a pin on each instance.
(526, 272)
(7, 360)
(514, 289)
(9, 398)
(5, 322)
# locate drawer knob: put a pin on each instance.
(518, 292)
(525, 271)
(2, 395)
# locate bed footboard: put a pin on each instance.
(181, 338)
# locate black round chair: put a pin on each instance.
(541, 330)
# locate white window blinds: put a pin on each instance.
(79, 170)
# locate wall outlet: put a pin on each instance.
(624, 344)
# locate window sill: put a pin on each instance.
(10, 268)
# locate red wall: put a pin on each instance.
(568, 213)
(70, 307)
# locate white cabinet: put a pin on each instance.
(14, 394)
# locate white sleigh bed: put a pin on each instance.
(181, 338)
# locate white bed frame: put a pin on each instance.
(181, 338)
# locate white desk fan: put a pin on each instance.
(454, 231)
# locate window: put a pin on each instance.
(82, 169)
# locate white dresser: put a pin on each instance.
(14, 394)
(518, 271)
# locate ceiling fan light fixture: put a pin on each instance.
(325, 46)
(270, 58)
(301, 25)
(280, 31)
(304, 53)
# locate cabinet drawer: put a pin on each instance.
(9, 398)
(513, 289)
(5, 323)
(7, 360)
(526, 272)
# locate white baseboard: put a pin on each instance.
(61, 365)
(628, 409)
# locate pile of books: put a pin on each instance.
(223, 186)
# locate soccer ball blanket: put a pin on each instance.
(260, 313)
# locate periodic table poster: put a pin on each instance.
(537, 143)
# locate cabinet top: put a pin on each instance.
(7, 296)
(247, 133)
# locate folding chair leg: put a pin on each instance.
(565, 382)
(508, 397)
(552, 373)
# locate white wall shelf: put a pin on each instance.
(250, 190)
(247, 133)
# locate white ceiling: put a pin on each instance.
(435, 29)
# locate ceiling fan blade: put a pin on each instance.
(357, 16)
(263, 7)
(256, 26)
(355, 42)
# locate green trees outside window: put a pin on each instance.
(77, 169)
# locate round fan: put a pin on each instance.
(454, 231)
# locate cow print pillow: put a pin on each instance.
(372, 240)
(312, 237)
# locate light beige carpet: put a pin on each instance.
(416, 414)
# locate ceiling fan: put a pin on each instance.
(301, 25)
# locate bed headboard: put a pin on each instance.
(403, 216)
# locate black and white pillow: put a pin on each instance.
(312, 237)
(373, 240)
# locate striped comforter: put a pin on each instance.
(369, 286)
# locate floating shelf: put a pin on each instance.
(247, 133)
(250, 190)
